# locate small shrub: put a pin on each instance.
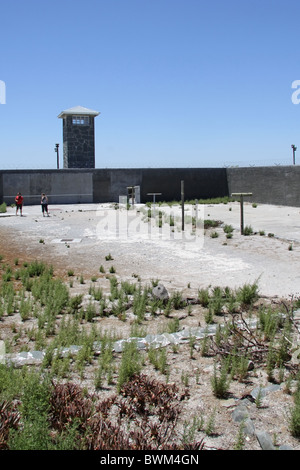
(203, 296)
(130, 363)
(158, 358)
(3, 208)
(228, 229)
(214, 234)
(220, 383)
(172, 221)
(248, 293)
(294, 418)
(248, 230)
(75, 303)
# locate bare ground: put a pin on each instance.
(72, 239)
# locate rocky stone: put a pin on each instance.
(263, 391)
(160, 292)
(248, 427)
(265, 440)
(240, 414)
(2, 352)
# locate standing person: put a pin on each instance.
(19, 203)
(44, 203)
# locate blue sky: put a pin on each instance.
(178, 83)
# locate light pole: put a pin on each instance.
(294, 150)
(56, 150)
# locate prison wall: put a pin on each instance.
(106, 185)
(269, 185)
(278, 185)
(61, 186)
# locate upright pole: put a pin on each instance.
(57, 155)
(294, 150)
(242, 214)
(182, 205)
(241, 196)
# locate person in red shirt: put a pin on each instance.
(19, 203)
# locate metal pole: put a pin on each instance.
(242, 214)
(294, 151)
(57, 155)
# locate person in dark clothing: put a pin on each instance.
(44, 204)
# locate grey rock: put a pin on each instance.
(37, 355)
(249, 428)
(160, 292)
(240, 414)
(285, 447)
(2, 352)
(263, 391)
(265, 440)
(73, 349)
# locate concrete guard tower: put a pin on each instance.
(78, 137)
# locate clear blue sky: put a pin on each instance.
(177, 82)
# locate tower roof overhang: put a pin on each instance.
(79, 111)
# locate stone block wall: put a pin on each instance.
(279, 185)
(78, 144)
(269, 185)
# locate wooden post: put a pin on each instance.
(242, 213)
(241, 196)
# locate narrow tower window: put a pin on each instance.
(80, 120)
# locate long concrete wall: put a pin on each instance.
(279, 185)
(269, 185)
(95, 185)
(62, 186)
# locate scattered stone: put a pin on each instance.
(249, 428)
(160, 292)
(2, 352)
(263, 391)
(265, 440)
(240, 414)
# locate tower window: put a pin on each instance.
(80, 120)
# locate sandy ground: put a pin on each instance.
(79, 237)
